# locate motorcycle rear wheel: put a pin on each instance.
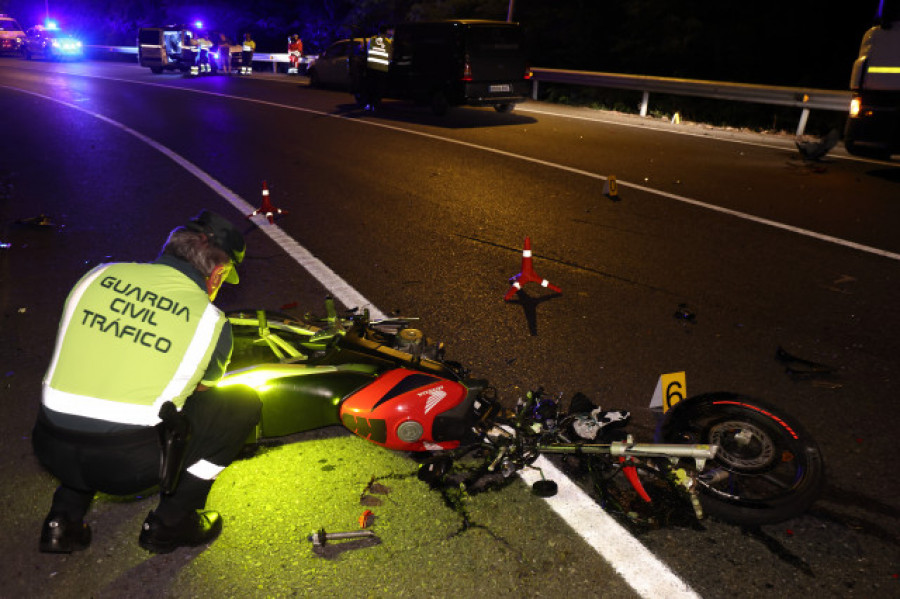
(768, 469)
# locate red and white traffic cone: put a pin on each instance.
(527, 275)
(267, 208)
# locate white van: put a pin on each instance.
(11, 35)
(873, 126)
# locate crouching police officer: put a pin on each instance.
(129, 400)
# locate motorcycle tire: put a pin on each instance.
(767, 469)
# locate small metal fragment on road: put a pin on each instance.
(41, 220)
(800, 368)
(685, 314)
(321, 537)
(366, 519)
(369, 500)
(379, 489)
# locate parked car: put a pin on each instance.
(332, 67)
(52, 44)
(11, 35)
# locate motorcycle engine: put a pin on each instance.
(413, 342)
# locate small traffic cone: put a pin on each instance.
(267, 209)
(611, 188)
(527, 275)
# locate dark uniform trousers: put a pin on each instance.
(128, 462)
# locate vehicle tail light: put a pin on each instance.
(467, 70)
(528, 73)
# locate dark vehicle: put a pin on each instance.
(52, 44)
(456, 63)
(332, 67)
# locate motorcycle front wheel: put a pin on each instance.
(767, 469)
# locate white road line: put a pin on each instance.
(338, 287)
(638, 567)
(678, 198)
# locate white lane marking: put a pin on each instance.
(639, 568)
(678, 198)
(339, 288)
(643, 572)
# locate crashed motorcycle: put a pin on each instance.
(739, 459)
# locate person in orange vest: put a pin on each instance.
(295, 51)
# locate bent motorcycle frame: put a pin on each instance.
(397, 399)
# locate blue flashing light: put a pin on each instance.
(198, 24)
(52, 25)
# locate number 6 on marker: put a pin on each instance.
(670, 389)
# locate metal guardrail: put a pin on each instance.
(275, 59)
(804, 98)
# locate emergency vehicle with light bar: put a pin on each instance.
(873, 126)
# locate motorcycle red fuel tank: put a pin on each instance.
(398, 409)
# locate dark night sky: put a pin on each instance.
(777, 42)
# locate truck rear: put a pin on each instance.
(873, 126)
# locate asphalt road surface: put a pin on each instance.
(720, 248)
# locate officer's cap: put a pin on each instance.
(223, 234)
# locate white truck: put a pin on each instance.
(873, 126)
(11, 35)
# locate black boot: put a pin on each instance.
(62, 535)
(197, 528)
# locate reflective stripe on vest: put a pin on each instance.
(379, 56)
(164, 335)
(205, 470)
